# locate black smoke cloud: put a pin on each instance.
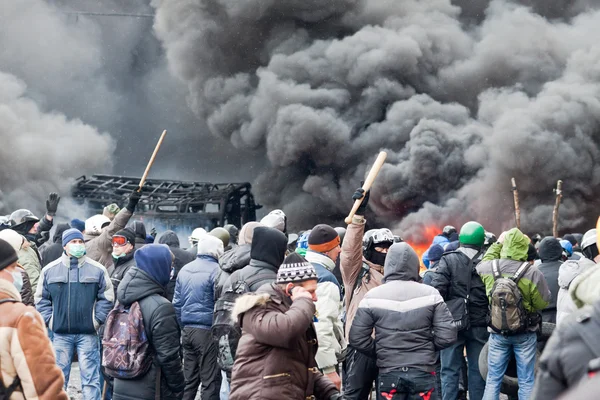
(85, 93)
(462, 97)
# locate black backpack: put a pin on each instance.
(225, 331)
(6, 392)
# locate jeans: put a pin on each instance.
(225, 389)
(88, 354)
(473, 339)
(200, 364)
(408, 384)
(359, 372)
(501, 349)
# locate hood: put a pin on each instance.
(170, 239)
(247, 232)
(550, 249)
(139, 229)
(210, 246)
(235, 259)
(401, 263)
(156, 261)
(515, 246)
(441, 240)
(137, 285)
(571, 269)
(268, 245)
(58, 232)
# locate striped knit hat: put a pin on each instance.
(295, 269)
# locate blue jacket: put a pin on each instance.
(74, 295)
(194, 292)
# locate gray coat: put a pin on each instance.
(566, 355)
(411, 320)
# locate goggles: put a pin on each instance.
(119, 240)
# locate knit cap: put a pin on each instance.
(295, 269)
(323, 238)
(71, 234)
(435, 252)
(78, 224)
(8, 255)
(127, 234)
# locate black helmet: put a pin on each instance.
(22, 221)
(449, 230)
(374, 237)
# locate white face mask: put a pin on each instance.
(17, 280)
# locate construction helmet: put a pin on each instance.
(472, 233)
(222, 234)
(588, 239)
(196, 235)
(94, 225)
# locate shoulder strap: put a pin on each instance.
(496, 269)
(471, 267)
(520, 272)
(248, 282)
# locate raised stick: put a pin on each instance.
(147, 171)
(516, 199)
(368, 183)
(558, 192)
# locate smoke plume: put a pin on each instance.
(463, 96)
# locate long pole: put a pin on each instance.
(147, 171)
(558, 192)
(516, 199)
(368, 183)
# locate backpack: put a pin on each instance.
(126, 349)
(507, 311)
(226, 332)
(6, 392)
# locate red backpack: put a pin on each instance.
(126, 350)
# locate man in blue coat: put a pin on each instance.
(194, 304)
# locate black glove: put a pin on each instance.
(359, 195)
(52, 204)
(134, 199)
(153, 232)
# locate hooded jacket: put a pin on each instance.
(54, 251)
(550, 252)
(567, 355)
(194, 292)
(26, 350)
(139, 230)
(182, 258)
(411, 320)
(330, 331)
(275, 358)
(29, 259)
(511, 255)
(353, 265)
(121, 267)
(74, 295)
(566, 275)
(233, 260)
(99, 247)
(451, 279)
(266, 255)
(160, 324)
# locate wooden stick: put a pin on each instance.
(516, 199)
(368, 183)
(147, 171)
(598, 233)
(558, 192)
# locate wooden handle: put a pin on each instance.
(147, 171)
(598, 233)
(368, 183)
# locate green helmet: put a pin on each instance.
(221, 233)
(472, 233)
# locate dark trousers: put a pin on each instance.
(358, 375)
(452, 360)
(200, 364)
(408, 384)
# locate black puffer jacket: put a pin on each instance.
(161, 326)
(122, 265)
(566, 355)
(233, 260)
(411, 321)
(266, 256)
(550, 252)
(182, 258)
(52, 252)
(451, 279)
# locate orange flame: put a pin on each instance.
(424, 242)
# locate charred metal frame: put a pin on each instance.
(172, 203)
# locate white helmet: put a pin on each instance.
(13, 238)
(588, 239)
(196, 235)
(93, 225)
(275, 219)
